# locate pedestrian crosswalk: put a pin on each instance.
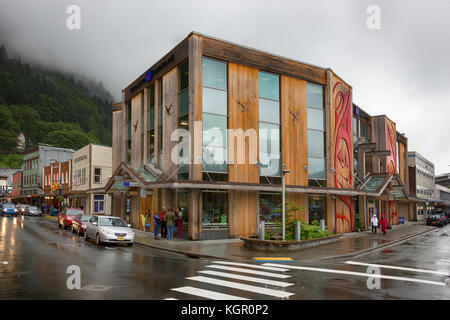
(226, 280)
(242, 279)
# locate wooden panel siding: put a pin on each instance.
(294, 132)
(260, 60)
(136, 105)
(243, 91)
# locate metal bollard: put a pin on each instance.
(262, 231)
(322, 224)
(298, 231)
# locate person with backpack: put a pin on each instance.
(170, 222)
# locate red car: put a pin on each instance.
(65, 218)
(79, 223)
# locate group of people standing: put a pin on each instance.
(383, 222)
(167, 220)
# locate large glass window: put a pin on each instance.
(151, 124)
(316, 136)
(215, 117)
(183, 111)
(269, 208)
(160, 121)
(215, 209)
(317, 208)
(129, 132)
(99, 203)
(269, 127)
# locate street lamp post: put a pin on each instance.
(283, 198)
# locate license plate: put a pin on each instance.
(120, 238)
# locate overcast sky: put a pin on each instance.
(401, 70)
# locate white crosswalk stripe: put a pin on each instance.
(362, 274)
(245, 278)
(246, 287)
(207, 294)
(442, 273)
(242, 270)
(235, 271)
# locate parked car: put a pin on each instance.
(21, 208)
(107, 229)
(79, 223)
(435, 220)
(66, 216)
(33, 211)
(9, 209)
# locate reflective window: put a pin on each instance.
(269, 208)
(316, 168)
(316, 135)
(215, 101)
(269, 126)
(215, 210)
(316, 144)
(214, 74)
(317, 208)
(215, 117)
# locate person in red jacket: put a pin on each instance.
(384, 224)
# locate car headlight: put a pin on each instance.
(15, 210)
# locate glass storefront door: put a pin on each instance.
(215, 209)
(317, 208)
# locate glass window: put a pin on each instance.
(269, 137)
(215, 210)
(99, 203)
(269, 111)
(317, 208)
(215, 101)
(183, 78)
(269, 208)
(316, 143)
(269, 86)
(214, 74)
(214, 130)
(270, 164)
(269, 126)
(183, 205)
(316, 168)
(183, 103)
(316, 119)
(97, 175)
(215, 116)
(315, 95)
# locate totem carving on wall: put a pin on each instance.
(391, 139)
(343, 153)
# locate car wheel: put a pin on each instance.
(86, 238)
(78, 231)
(129, 244)
(71, 229)
(97, 240)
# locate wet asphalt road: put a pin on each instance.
(35, 255)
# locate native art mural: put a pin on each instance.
(391, 166)
(343, 153)
(391, 146)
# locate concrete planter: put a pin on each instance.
(285, 246)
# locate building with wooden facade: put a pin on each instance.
(212, 126)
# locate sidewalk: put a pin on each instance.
(349, 244)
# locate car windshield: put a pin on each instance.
(8, 206)
(32, 208)
(72, 213)
(85, 217)
(112, 222)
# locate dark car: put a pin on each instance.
(436, 220)
(79, 223)
(66, 217)
(9, 209)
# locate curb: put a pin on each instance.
(50, 217)
(366, 251)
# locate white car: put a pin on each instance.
(108, 229)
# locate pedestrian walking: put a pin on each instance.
(170, 223)
(374, 222)
(157, 222)
(384, 224)
(163, 223)
(179, 222)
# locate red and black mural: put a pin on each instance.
(391, 166)
(343, 153)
